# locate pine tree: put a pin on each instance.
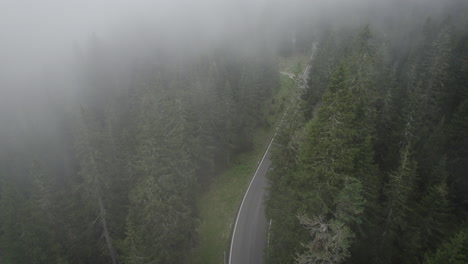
(329, 150)
(350, 203)
(458, 152)
(12, 231)
(330, 241)
(27, 225)
(330, 164)
(94, 170)
(230, 123)
(362, 84)
(397, 191)
(452, 251)
(160, 220)
(434, 210)
(326, 58)
(285, 231)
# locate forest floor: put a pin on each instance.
(218, 206)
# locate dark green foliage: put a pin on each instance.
(452, 251)
(160, 211)
(136, 158)
(369, 164)
(328, 181)
(383, 160)
(397, 206)
(326, 58)
(28, 221)
(458, 153)
(280, 205)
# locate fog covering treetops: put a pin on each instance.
(115, 116)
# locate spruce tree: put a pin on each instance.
(95, 171)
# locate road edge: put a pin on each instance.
(245, 195)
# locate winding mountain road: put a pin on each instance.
(249, 237)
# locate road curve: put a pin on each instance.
(249, 234)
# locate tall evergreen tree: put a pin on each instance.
(96, 177)
(160, 221)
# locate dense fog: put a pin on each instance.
(44, 42)
(117, 115)
(41, 40)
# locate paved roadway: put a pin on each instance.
(305, 74)
(249, 236)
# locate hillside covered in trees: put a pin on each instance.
(371, 166)
(105, 154)
(123, 186)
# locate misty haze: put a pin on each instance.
(233, 131)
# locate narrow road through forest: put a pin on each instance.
(249, 236)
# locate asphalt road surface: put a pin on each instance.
(249, 235)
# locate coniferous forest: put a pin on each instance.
(372, 164)
(138, 160)
(369, 164)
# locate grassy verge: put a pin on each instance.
(219, 205)
(278, 103)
